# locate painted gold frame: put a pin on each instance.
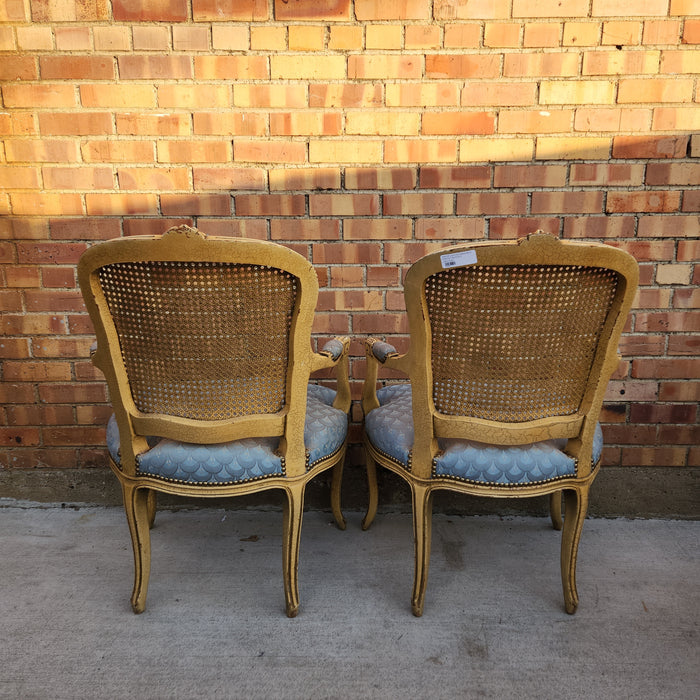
(578, 428)
(139, 490)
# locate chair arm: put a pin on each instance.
(335, 354)
(379, 352)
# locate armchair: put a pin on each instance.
(512, 346)
(205, 346)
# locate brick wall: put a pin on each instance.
(362, 134)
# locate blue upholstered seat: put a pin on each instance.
(390, 429)
(240, 460)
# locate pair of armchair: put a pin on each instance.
(205, 346)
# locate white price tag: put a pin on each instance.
(466, 257)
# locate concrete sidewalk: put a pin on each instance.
(214, 626)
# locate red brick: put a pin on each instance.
(670, 227)
(22, 276)
(380, 178)
(679, 391)
(72, 393)
(305, 230)
(371, 10)
(372, 324)
(229, 124)
(667, 321)
(607, 174)
(655, 201)
(270, 205)
(382, 276)
(332, 10)
(77, 67)
(529, 176)
(150, 10)
(383, 67)
(304, 179)
(201, 205)
(153, 67)
(70, 11)
(120, 204)
(673, 174)
(226, 10)
(345, 254)
(650, 146)
(384, 229)
(689, 251)
(192, 96)
(655, 90)
(19, 178)
(153, 178)
(345, 95)
(343, 204)
(442, 123)
(462, 36)
(567, 202)
(226, 178)
(686, 298)
(46, 204)
(474, 9)
(77, 178)
(306, 123)
(462, 66)
(58, 277)
(18, 68)
(42, 150)
(612, 119)
(118, 151)
(445, 227)
(231, 68)
(419, 151)
(75, 123)
(691, 201)
(465, 177)
(599, 227)
(535, 121)
(418, 203)
(269, 151)
(534, 65)
(662, 413)
(684, 345)
(56, 95)
(408, 253)
(182, 151)
(19, 436)
(143, 123)
(496, 203)
(14, 348)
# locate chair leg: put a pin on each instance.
(575, 505)
(555, 510)
(422, 526)
(336, 484)
(293, 511)
(373, 491)
(136, 505)
(152, 505)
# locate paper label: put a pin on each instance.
(466, 257)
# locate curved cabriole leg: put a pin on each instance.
(555, 510)
(336, 483)
(575, 505)
(371, 468)
(293, 510)
(152, 504)
(136, 505)
(422, 525)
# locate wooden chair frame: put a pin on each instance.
(429, 424)
(139, 490)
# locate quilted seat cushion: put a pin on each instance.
(241, 460)
(390, 429)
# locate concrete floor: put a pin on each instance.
(214, 626)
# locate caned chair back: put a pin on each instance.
(515, 343)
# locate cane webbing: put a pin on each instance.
(202, 340)
(515, 343)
